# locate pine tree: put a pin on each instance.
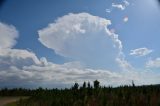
(96, 84)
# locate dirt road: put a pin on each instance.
(6, 100)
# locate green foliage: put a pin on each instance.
(86, 95)
(96, 84)
(84, 85)
(75, 87)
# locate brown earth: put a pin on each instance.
(6, 100)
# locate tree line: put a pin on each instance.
(88, 95)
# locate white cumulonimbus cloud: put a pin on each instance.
(141, 51)
(8, 35)
(85, 38)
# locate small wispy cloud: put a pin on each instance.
(125, 19)
(118, 6)
(153, 63)
(108, 10)
(126, 3)
(141, 52)
(121, 6)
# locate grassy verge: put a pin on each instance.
(11, 104)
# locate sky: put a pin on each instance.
(55, 43)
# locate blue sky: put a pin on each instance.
(42, 41)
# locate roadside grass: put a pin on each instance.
(11, 104)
